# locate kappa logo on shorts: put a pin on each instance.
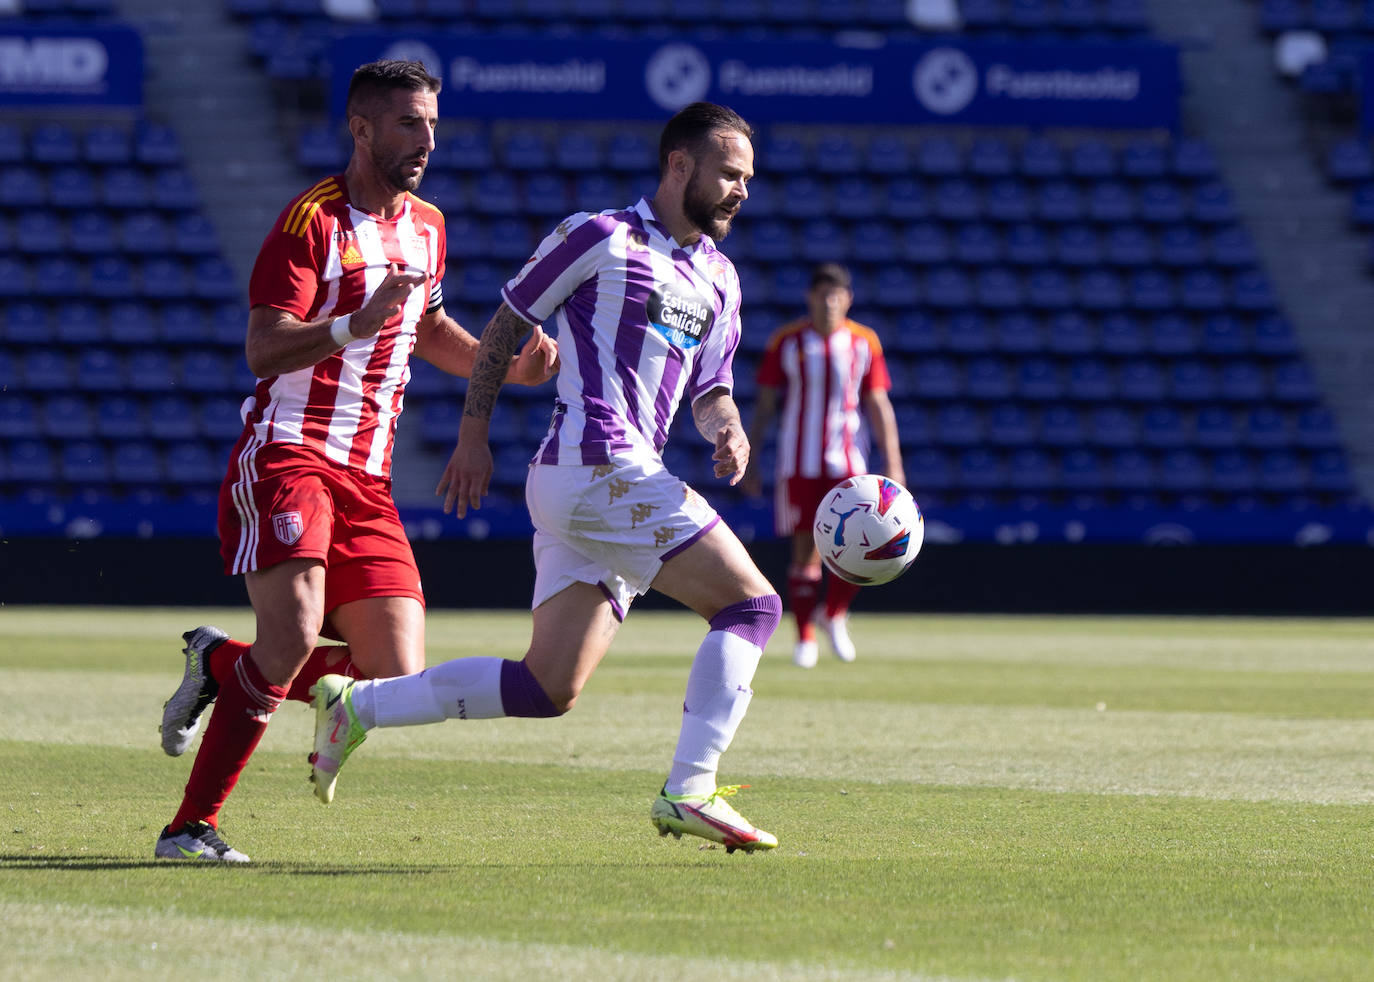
(663, 535)
(288, 527)
(641, 513)
(619, 488)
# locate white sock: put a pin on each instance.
(718, 695)
(465, 688)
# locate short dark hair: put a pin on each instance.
(831, 274)
(692, 126)
(378, 77)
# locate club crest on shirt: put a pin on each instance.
(288, 527)
(680, 315)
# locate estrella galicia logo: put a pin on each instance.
(409, 49)
(677, 74)
(680, 316)
(945, 81)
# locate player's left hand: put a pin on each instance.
(732, 453)
(537, 361)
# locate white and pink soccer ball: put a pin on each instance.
(868, 529)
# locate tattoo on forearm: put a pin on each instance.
(493, 358)
(712, 413)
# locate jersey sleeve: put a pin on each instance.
(286, 274)
(714, 367)
(877, 377)
(565, 260)
(770, 365)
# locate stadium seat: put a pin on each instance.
(1252, 292)
(1049, 289)
(1233, 248)
(19, 416)
(936, 379)
(92, 233)
(991, 157)
(957, 424)
(1316, 429)
(136, 462)
(22, 186)
(1192, 381)
(53, 143)
(1203, 290)
(1091, 159)
(1282, 471)
(1330, 472)
(1131, 471)
(1212, 204)
(321, 148)
(1144, 160)
(1181, 247)
(1101, 290)
(1090, 380)
(887, 154)
(629, 152)
(821, 240)
(172, 417)
(1027, 244)
(150, 370)
(989, 379)
(977, 244)
(1059, 201)
(1267, 427)
(1121, 334)
(25, 322)
(1140, 381)
(906, 199)
(124, 188)
(193, 235)
(1242, 382)
(525, 150)
(212, 279)
(166, 278)
(1162, 203)
(512, 238)
(1041, 159)
(83, 462)
(872, 242)
(1110, 202)
(45, 370)
(1039, 380)
(939, 156)
(67, 417)
(111, 277)
(497, 193)
(184, 324)
(32, 462)
(1172, 334)
(1163, 426)
(1069, 332)
(119, 417)
(1293, 383)
(1081, 470)
(1193, 160)
(1215, 428)
(1128, 246)
(1232, 472)
(12, 148)
(156, 145)
(1112, 426)
(193, 464)
(1008, 200)
(578, 150)
(174, 190)
(1183, 471)
(1030, 469)
(1010, 425)
(133, 322)
(40, 232)
(1018, 333)
(957, 199)
(1062, 426)
(980, 469)
(784, 154)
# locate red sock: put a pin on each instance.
(803, 593)
(245, 704)
(327, 659)
(838, 596)
(223, 657)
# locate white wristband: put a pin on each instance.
(340, 331)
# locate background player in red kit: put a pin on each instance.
(826, 368)
(347, 286)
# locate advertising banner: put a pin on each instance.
(1126, 85)
(46, 65)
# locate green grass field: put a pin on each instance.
(975, 798)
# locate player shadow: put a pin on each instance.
(87, 863)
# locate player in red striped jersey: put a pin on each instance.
(347, 286)
(826, 368)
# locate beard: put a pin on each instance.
(700, 209)
(394, 169)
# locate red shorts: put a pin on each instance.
(796, 500)
(287, 502)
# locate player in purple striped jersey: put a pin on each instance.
(647, 310)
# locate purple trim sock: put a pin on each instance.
(754, 620)
(521, 693)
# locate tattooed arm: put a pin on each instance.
(441, 341)
(718, 420)
(465, 479)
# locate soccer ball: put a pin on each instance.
(868, 529)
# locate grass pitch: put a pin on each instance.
(974, 798)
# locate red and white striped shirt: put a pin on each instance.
(822, 378)
(323, 258)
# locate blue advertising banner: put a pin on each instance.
(959, 83)
(46, 65)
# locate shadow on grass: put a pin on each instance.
(86, 863)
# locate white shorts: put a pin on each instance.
(611, 525)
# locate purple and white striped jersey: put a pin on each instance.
(641, 321)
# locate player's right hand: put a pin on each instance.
(466, 477)
(386, 301)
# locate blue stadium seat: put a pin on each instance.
(998, 288)
(1193, 160)
(12, 148)
(1019, 333)
(1172, 334)
(512, 238)
(1242, 381)
(120, 417)
(53, 143)
(936, 379)
(906, 199)
(1212, 204)
(548, 196)
(804, 196)
(1162, 203)
(1131, 470)
(498, 193)
(977, 244)
(1293, 383)
(1092, 158)
(150, 370)
(1350, 160)
(946, 287)
(1129, 245)
(1121, 334)
(136, 462)
(1059, 201)
(578, 150)
(18, 415)
(321, 148)
(1267, 427)
(40, 232)
(1062, 426)
(1233, 248)
(1041, 159)
(1090, 380)
(1112, 426)
(66, 417)
(92, 233)
(988, 379)
(32, 462)
(83, 462)
(957, 199)
(194, 235)
(784, 154)
(22, 186)
(1203, 290)
(1163, 426)
(1316, 429)
(980, 469)
(852, 197)
(1010, 425)
(873, 242)
(124, 188)
(894, 286)
(133, 322)
(70, 188)
(1252, 292)
(939, 156)
(914, 427)
(1114, 201)
(1144, 159)
(111, 277)
(926, 244)
(58, 276)
(822, 240)
(173, 189)
(1183, 471)
(1069, 332)
(172, 417)
(990, 157)
(26, 322)
(166, 278)
(1081, 470)
(213, 279)
(467, 237)
(1027, 245)
(156, 145)
(629, 152)
(1181, 246)
(1215, 428)
(1140, 381)
(1078, 245)
(1101, 290)
(468, 150)
(1192, 381)
(917, 333)
(958, 425)
(1330, 472)
(45, 370)
(967, 332)
(193, 464)
(1049, 289)
(1008, 201)
(1282, 472)
(525, 150)
(887, 154)
(930, 470)
(100, 370)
